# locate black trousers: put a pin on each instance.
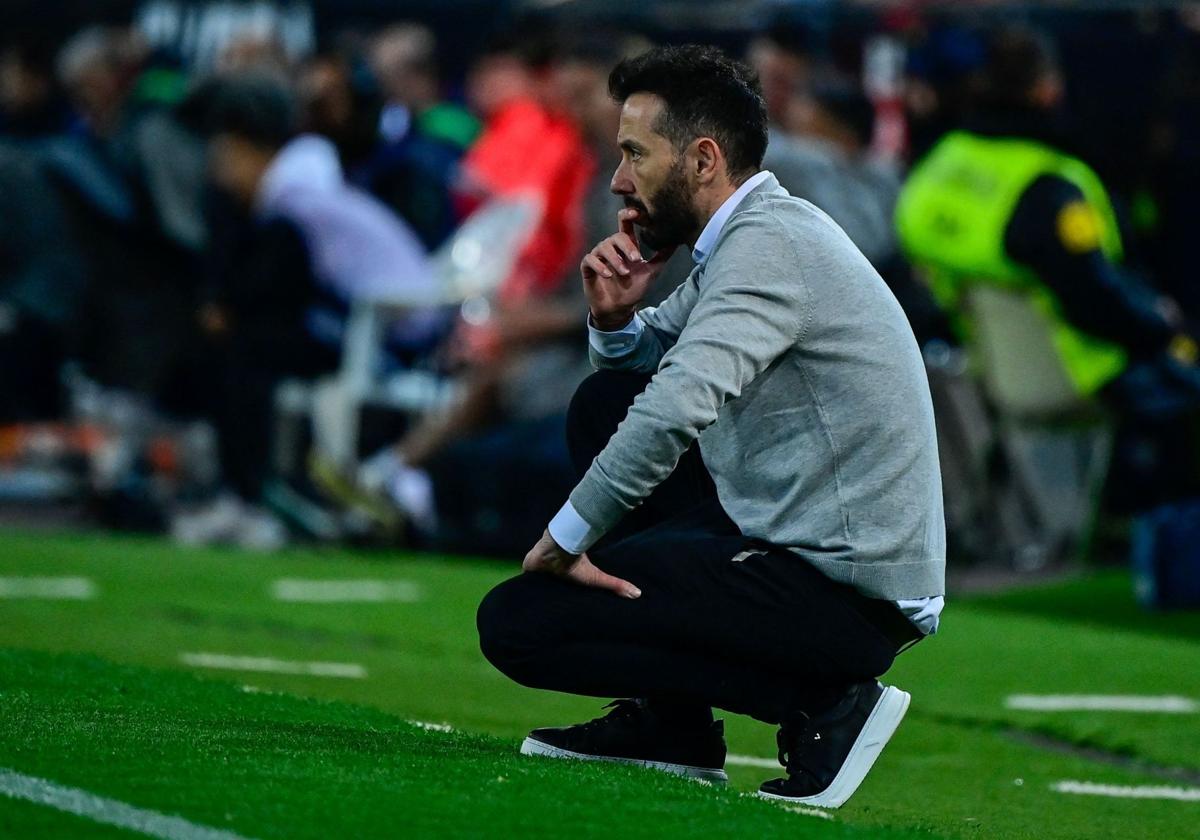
(722, 621)
(31, 356)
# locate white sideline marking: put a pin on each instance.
(344, 591)
(108, 811)
(787, 806)
(1169, 704)
(1128, 791)
(431, 727)
(56, 588)
(254, 689)
(807, 811)
(753, 761)
(346, 670)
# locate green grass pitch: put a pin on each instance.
(94, 695)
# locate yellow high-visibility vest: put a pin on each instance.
(951, 218)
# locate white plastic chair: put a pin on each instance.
(1056, 446)
(467, 270)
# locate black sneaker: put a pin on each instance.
(829, 755)
(633, 734)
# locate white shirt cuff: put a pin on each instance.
(612, 345)
(925, 613)
(570, 530)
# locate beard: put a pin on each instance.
(673, 221)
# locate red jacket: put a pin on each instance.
(525, 148)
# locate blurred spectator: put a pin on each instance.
(139, 298)
(253, 52)
(163, 155)
(822, 154)
(944, 63)
(404, 60)
(780, 55)
(98, 68)
(359, 249)
(1172, 163)
(821, 125)
(528, 148)
(408, 139)
(424, 135)
(488, 472)
(340, 104)
(297, 246)
(999, 205)
(168, 161)
(40, 282)
(30, 102)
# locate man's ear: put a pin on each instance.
(708, 162)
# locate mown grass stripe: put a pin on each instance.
(108, 811)
(1128, 791)
(266, 664)
(50, 588)
(295, 590)
(1167, 704)
(753, 761)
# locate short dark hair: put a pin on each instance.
(596, 47)
(788, 35)
(844, 100)
(257, 107)
(1018, 58)
(705, 94)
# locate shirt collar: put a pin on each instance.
(708, 236)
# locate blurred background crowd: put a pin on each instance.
(276, 270)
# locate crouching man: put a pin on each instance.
(758, 526)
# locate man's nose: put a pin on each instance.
(621, 183)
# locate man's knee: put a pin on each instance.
(606, 392)
(505, 636)
(599, 405)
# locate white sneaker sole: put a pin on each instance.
(532, 746)
(880, 726)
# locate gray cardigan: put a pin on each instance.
(791, 361)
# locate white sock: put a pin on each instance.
(412, 490)
(378, 472)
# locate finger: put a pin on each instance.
(625, 219)
(597, 265)
(594, 290)
(613, 262)
(619, 586)
(538, 563)
(586, 573)
(610, 254)
(594, 281)
(616, 259)
(628, 246)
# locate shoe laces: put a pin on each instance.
(792, 739)
(624, 708)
